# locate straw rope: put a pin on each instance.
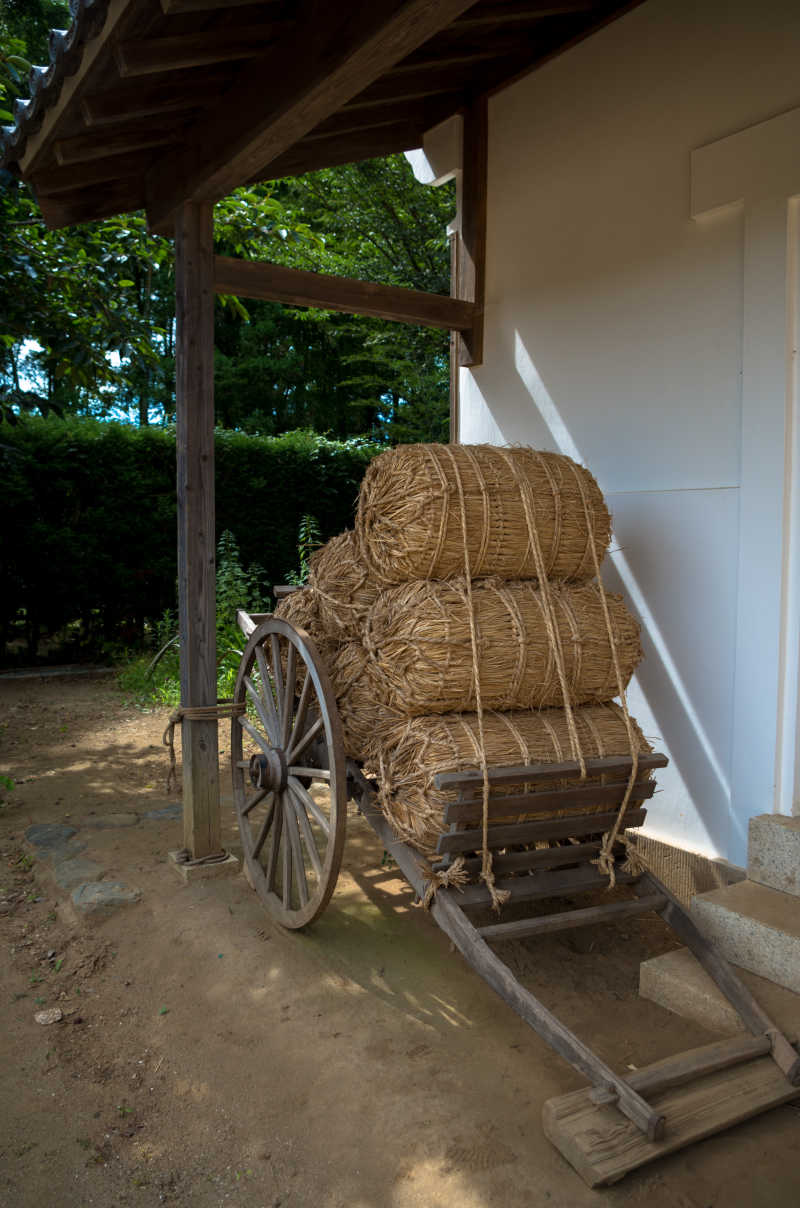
(222, 709)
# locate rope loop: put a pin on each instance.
(217, 712)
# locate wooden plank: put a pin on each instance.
(603, 1148)
(316, 68)
(531, 773)
(753, 1016)
(539, 857)
(328, 152)
(535, 803)
(694, 1063)
(546, 885)
(298, 287)
(471, 260)
(530, 832)
(194, 387)
(84, 148)
(567, 828)
(446, 911)
(567, 919)
(148, 56)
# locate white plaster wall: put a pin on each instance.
(614, 332)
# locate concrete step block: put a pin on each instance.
(678, 982)
(755, 927)
(773, 852)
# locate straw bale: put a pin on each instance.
(411, 754)
(364, 717)
(418, 637)
(301, 608)
(409, 522)
(344, 590)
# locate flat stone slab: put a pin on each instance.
(97, 897)
(175, 810)
(678, 982)
(229, 867)
(755, 927)
(773, 852)
(108, 821)
(49, 836)
(75, 870)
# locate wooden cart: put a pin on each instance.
(292, 783)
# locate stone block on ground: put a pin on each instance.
(109, 821)
(175, 810)
(678, 982)
(773, 852)
(74, 870)
(100, 897)
(49, 836)
(755, 927)
(229, 867)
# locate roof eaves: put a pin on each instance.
(44, 83)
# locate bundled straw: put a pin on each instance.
(365, 718)
(412, 754)
(301, 608)
(419, 640)
(410, 523)
(344, 591)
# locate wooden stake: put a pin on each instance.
(194, 389)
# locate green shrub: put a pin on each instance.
(88, 539)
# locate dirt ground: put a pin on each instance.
(207, 1058)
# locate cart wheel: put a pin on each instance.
(289, 779)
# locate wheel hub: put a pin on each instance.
(269, 770)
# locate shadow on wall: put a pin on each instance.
(695, 761)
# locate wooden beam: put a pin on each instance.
(297, 287)
(605, 765)
(130, 102)
(319, 66)
(564, 920)
(172, 7)
(328, 152)
(194, 391)
(523, 13)
(469, 284)
(81, 175)
(84, 148)
(148, 56)
(81, 205)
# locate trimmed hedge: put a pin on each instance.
(89, 524)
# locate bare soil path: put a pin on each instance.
(204, 1057)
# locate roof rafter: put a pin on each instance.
(352, 45)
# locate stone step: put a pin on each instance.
(678, 982)
(773, 852)
(755, 927)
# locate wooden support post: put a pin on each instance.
(470, 276)
(194, 389)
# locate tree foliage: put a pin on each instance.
(87, 313)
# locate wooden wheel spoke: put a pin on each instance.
(254, 801)
(307, 834)
(286, 876)
(274, 847)
(297, 855)
(310, 805)
(263, 831)
(302, 707)
(262, 709)
(315, 773)
(254, 734)
(288, 695)
(266, 685)
(303, 742)
(277, 673)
